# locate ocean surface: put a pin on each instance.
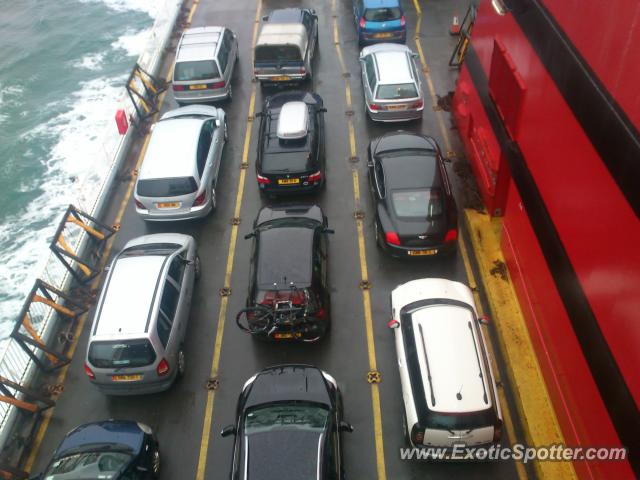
(63, 64)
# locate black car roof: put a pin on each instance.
(120, 432)
(286, 15)
(279, 99)
(289, 210)
(411, 171)
(289, 383)
(284, 256)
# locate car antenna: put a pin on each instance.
(459, 394)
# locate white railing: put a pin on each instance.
(15, 364)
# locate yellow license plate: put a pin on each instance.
(168, 205)
(281, 78)
(422, 252)
(283, 336)
(383, 35)
(396, 107)
(197, 87)
(126, 378)
(288, 181)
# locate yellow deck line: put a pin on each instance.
(224, 302)
(366, 297)
(529, 388)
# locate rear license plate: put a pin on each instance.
(423, 252)
(168, 205)
(396, 107)
(126, 378)
(383, 35)
(281, 78)
(197, 87)
(288, 181)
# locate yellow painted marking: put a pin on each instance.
(506, 412)
(224, 301)
(525, 376)
(194, 7)
(418, 10)
(366, 296)
(44, 425)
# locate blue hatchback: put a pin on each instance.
(379, 21)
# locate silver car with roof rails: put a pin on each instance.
(205, 60)
(179, 173)
(136, 340)
(391, 84)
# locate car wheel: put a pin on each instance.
(155, 463)
(197, 268)
(181, 363)
(230, 96)
(214, 202)
(226, 131)
(376, 230)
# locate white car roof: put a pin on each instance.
(293, 121)
(283, 34)
(124, 310)
(426, 288)
(198, 43)
(393, 68)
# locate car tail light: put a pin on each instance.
(417, 435)
(200, 199)
(374, 107)
(217, 85)
(315, 177)
(451, 236)
(303, 71)
(139, 205)
(497, 431)
(403, 22)
(178, 88)
(392, 238)
(363, 22)
(163, 368)
(263, 180)
(418, 104)
(89, 372)
(320, 313)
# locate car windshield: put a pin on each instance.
(397, 91)
(121, 354)
(277, 54)
(201, 70)
(424, 203)
(88, 466)
(166, 187)
(382, 14)
(295, 416)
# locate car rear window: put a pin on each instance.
(122, 354)
(200, 70)
(382, 14)
(425, 203)
(397, 91)
(167, 187)
(277, 54)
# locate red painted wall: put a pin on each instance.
(596, 225)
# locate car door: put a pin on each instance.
(357, 11)
(369, 79)
(232, 45)
(204, 153)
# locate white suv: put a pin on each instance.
(448, 387)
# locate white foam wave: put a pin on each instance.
(9, 95)
(90, 62)
(149, 6)
(132, 42)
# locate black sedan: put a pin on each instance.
(416, 213)
(291, 151)
(288, 426)
(114, 450)
(289, 295)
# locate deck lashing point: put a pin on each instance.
(365, 285)
(235, 221)
(213, 383)
(225, 291)
(374, 376)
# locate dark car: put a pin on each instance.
(113, 449)
(416, 213)
(289, 295)
(288, 426)
(291, 152)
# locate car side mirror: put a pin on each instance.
(328, 230)
(249, 235)
(107, 268)
(322, 110)
(483, 320)
(228, 430)
(415, 55)
(393, 324)
(265, 18)
(346, 427)
(218, 123)
(258, 115)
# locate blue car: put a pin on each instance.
(379, 21)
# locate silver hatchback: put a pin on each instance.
(205, 60)
(136, 340)
(179, 173)
(391, 84)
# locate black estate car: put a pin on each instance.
(291, 152)
(289, 295)
(112, 449)
(415, 210)
(288, 426)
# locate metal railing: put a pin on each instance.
(17, 355)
